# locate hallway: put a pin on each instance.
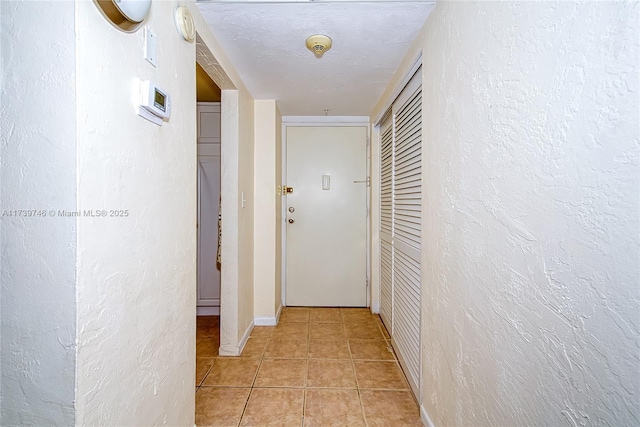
(318, 367)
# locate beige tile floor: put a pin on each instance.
(319, 367)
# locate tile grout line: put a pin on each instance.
(217, 327)
(304, 403)
(364, 416)
(205, 375)
(244, 409)
(353, 366)
(306, 370)
(246, 403)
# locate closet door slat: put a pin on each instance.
(406, 231)
(386, 225)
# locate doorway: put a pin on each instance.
(326, 216)
(232, 100)
(208, 269)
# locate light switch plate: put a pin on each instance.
(326, 182)
(150, 47)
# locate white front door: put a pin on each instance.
(326, 216)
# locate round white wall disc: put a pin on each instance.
(184, 22)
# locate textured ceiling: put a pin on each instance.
(266, 43)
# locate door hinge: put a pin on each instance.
(367, 282)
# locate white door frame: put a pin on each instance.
(229, 133)
(323, 121)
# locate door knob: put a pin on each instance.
(291, 220)
(292, 209)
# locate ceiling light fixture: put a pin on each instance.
(318, 44)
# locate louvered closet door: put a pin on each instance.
(406, 221)
(386, 210)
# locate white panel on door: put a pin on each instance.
(208, 123)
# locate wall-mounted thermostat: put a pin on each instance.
(155, 103)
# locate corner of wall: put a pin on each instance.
(265, 212)
(236, 350)
(424, 417)
(278, 214)
(278, 313)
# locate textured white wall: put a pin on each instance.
(264, 256)
(531, 247)
(38, 171)
(245, 215)
(231, 325)
(279, 221)
(229, 320)
(136, 275)
(531, 213)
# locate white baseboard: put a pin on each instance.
(375, 308)
(236, 350)
(228, 350)
(268, 321)
(265, 321)
(426, 420)
(208, 311)
(245, 337)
